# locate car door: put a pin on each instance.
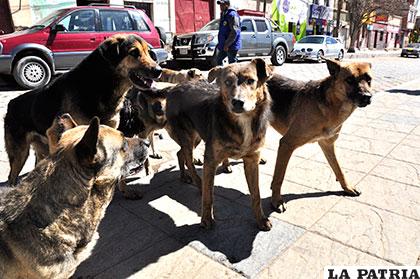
(249, 38)
(75, 40)
(263, 37)
(332, 49)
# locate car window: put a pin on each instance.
(115, 21)
(331, 41)
(311, 40)
(50, 18)
(212, 25)
(261, 25)
(140, 22)
(79, 21)
(248, 24)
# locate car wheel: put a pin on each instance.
(402, 55)
(31, 72)
(279, 56)
(340, 55)
(319, 56)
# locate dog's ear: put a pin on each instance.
(60, 124)
(264, 71)
(191, 73)
(333, 66)
(214, 73)
(112, 49)
(87, 146)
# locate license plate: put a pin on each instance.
(183, 51)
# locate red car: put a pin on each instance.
(65, 37)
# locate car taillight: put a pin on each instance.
(293, 39)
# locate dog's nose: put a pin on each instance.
(146, 142)
(156, 71)
(238, 105)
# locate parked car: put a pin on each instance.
(316, 46)
(65, 37)
(260, 37)
(411, 49)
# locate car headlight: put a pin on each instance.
(202, 40)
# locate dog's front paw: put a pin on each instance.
(226, 169)
(352, 192)
(207, 223)
(278, 205)
(197, 162)
(264, 224)
(155, 156)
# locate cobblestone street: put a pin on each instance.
(159, 235)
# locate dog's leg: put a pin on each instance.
(209, 169)
(283, 156)
(18, 152)
(251, 173)
(181, 162)
(154, 155)
(328, 147)
(188, 157)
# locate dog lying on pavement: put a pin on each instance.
(48, 225)
(172, 76)
(315, 111)
(231, 118)
(96, 87)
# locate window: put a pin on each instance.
(79, 21)
(381, 36)
(141, 24)
(331, 41)
(248, 26)
(261, 25)
(115, 21)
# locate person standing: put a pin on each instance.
(229, 33)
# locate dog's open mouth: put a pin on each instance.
(141, 82)
(135, 169)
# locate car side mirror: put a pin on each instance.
(58, 28)
(243, 28)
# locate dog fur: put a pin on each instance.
(315, 111)
(48, 225)
(96, 87)
(231, 117)
(172, 76)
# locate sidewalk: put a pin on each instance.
(372, 53)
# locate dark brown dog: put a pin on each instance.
(96, 87)
(314, 111)
(231, 117)
(172, 76)
(48, 225)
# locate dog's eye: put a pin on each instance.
(228, 82)
(250, 81)
(134, 52)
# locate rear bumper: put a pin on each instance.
(6, 64)
(197, 52)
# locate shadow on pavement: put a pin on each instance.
(405, 91)
(167, 220)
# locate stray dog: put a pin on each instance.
(48, 225)
(314, 111)
(172, 76)
(96, 87)
(232, 118)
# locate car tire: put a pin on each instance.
(32, 72)
(402, 55)
(319, 56)
(340, 55)
(279, 56)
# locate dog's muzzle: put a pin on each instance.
(363, 99)
(238, 106)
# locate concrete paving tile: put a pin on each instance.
(239, 245)
(352, 160)
(400, 119)
(121, 236)
(320, 176)
(406, 153)
(412, 140)
(400, 171)
(308, 256)
(182, 263)
(377, 147)
(380, 134)
(372, 230)
(271, 158)
(392, 126)
(307, 151)
(370, 112)
(390, 195)
(416, 131)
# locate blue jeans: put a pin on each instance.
(231, 54)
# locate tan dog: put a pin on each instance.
(172, 76)
(314, 111)
(231, 118)
(48, 224)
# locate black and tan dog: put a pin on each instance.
(96, 87)
(231, 117)
(314, 111)
(48, 225)
(172, 76)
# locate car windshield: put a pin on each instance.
(49, 19)
(413, 45)
(212, 25)
(312, 40)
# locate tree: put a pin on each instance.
(337, 27)
(362, 11)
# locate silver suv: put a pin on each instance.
(260, 38)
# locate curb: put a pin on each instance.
(372, 55)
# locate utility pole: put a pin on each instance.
(265, 7)
(338, 19)
(6, 19)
